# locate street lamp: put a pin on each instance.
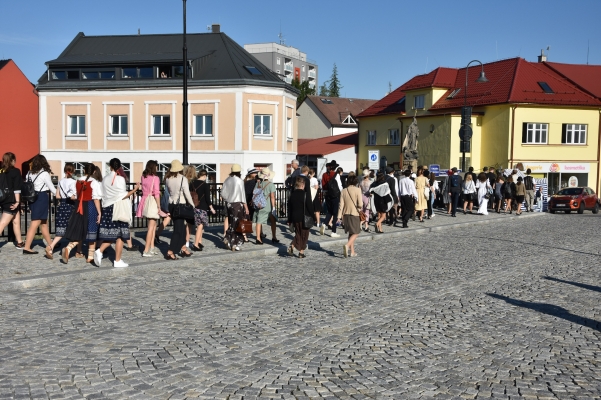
(465, 132)
(185, 104)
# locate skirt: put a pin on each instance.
(111, 230)
(316, 204)
(201, 217)
(352, 224)
(519, 199)
(39, 209)
(63, 213)
(235, 212)
(301, 236)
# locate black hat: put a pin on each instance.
(334, 164)
(454, 169)
(389, 170)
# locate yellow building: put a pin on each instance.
(545, 116)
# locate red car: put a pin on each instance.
(574, 199)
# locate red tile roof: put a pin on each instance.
(393, 103)
(441, 77)
(340, 108)
(327, 145)
(587, 77)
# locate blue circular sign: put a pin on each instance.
(374, 157)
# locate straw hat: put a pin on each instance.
(236, 168)
(365, 172)
(266, 173)
(176, 166)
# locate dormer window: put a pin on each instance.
(349, 120)
(418, 102)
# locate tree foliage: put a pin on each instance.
(304, 88)
(323, 90)
(334, 87)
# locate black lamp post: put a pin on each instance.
(465, 132)
(185, 104)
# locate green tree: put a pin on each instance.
(334, 87)
(323, 90)
(304, 88)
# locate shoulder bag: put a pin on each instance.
(182, 210)
(4, 190)
(308, 220)
(151, 210)
(122, 211)
(362, 215)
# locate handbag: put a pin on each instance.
(182, 210)
(427, 193)
(308, 220)
(151, 210)
(244, 226)
(122, 211)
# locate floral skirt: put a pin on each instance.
(111, 230)
(63, 213)
(235, 212)
(201, 218)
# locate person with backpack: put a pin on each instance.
(454, 190)
(66, 195)
(151, 191)
(498, 189)
(10, 183)
(38, 185)
(333, 200)
(530, 189)
(393, 184)
(508, 190)
(201, 196)
(250, 181)
(263, 201)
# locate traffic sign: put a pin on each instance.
(465, 132)
(374, 159)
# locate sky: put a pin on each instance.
(373, 44)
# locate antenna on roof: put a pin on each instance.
(138, 31)
(588, 47)
(548, 49)
(281, 36)
(209, 28)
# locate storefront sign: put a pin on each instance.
(557, 167)
(434, 168)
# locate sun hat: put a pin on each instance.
(176, 166)
(266, 173)
(365, 172)
(252, 171)
(236, 168)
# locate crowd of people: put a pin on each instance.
(95, 211)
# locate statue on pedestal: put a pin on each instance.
(410, 145)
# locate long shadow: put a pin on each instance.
(582, 285)
(552, 310)
(520, 242)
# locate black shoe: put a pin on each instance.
(29, 252)
(132, 248)
(263, 235)
(157, 241)
(453, 215)
(405, 226)
(258, 242)
(275, 241)
(194, 248)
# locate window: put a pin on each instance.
(453, 93)
(277, 60)
(145, 72)
(204, 125)
(253, 70)
(162, 170)
(349, 120)
(133, 72)
(62, 75)
(546, 88)
(178, 71)
(394, 137)
(371, 138)
(534, 133)
(303, 68)
(289, 128)
(126, 169)
(161, 124)
(98, 75)
(418, 101)
(77, 125)
(573, 134)
(118, 125)
(262, 124)
(326, 101)
(79, 168)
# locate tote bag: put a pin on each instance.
(122, 211)
(151, 210)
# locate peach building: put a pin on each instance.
(121, 96)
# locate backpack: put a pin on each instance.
(259, 201)
(165, 200)
(194, 195)
(333, 189)
(529, 183)
(454, 180)
(28, 192)
(289, 183)
(4, 190)
(508, 189)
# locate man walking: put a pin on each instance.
(455, 183)
(407, 197)
(530, 188)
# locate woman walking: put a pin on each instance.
(381, 199)
(333, 199)
(66, 195)
(114, 189)
(315, 198)
(483, 187)
(365, 196)
(350, 203)
(121, 172)
(421, 185)
(201, 209)
(265, 214)
(179, 193)
(299, 207)
(11, 207)
(433, 194)
(520, 193)
(508, 190)
(151, 189)
(85, 219)
(469, 191)
(233, 193)
(498, 193)
(446, 190)
(39, 174)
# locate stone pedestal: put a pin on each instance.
(412, 163)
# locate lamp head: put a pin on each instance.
(482, 78)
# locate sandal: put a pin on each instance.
(48, 254)
(171, 257)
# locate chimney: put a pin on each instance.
(215, 28)
(542, 57)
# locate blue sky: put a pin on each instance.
(372, 43)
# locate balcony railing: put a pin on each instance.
(311, 73)
(288, 67)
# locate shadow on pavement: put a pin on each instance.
(581, 285)
(552, 310)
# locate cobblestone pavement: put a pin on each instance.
(504, 310)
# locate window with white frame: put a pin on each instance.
(77, 124)
(126, 169)
(289, 128)
(535, 133)
(418, 101)
(203, 125)
(371, 138)
(161, 125)
(262, 125)
(277, 60)
(573, 134)
(118, 125)
(393, 137)
(78, 168)
(162, 170)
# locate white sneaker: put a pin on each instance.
(120, 264)
(333, 234)
(148, 254)
(97, 257)
(237, 248)
(155, 251)
(322, 229)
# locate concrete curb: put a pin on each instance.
(143, 267)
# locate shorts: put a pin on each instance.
(5, 209)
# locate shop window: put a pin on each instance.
(118, 125)
(371, 138)
(534, 133)
(77, 125)
(573, 134)
(262, 125)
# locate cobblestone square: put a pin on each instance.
(508, 309)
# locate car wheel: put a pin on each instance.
(581, 208)
(596, 208)
(568, 211)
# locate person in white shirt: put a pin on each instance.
(66, 194)
(407, 197)
(39, 174)
(469, 192)
(316, 202)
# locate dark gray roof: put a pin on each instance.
(216, 59)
